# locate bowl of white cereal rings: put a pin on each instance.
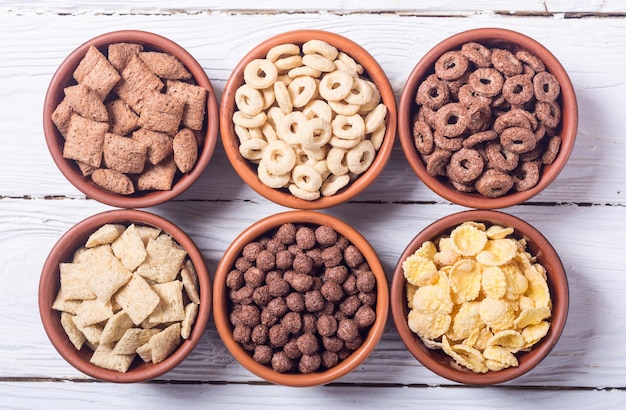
(308, 119)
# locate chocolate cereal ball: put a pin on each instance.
(332, 256)
(326, 325)
(254, 277)
(261, 295)
(325, 235)
(259, 335)
(278, 306)
(251, 250)
(353, 256)
(313, 300)
(249, 315)
(332, 291)
(243, 295)
(305, 237)
(347, 330)
(364, 316)
(301, 282)
(307, 343)
(365, 281)
(295, 301)
(281, 363)
(286, 233)
(234, 279)
(309, 363)
(242, 264)
(278, 336)
(302, 263)
(241, 334)
(349, 285)
(279, 287)
(266, 260)
(336, 273)
(332, 343)
(274, 245)
(262, 354)
(292, 322)
(350, 305)
(309, 323)
(291, 349)
(329, 359)
(284, 260)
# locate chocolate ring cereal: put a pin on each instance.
(423, 138)
(348, 127)
(336, 85)
(271, 180)
(478, 117)
(518, 140)
(451, 65)
(307, 177)
(552, 151)
(361, 157)
(549, 113)
(318, 62)
(479, 137)
(437, 161)
(546, 87)
(493, 183)
(260, 73)
(526, 176)
(505, 62)
(465, 165)
(446, 143)
(302, 90)
(249, 100)
(281, 51)
(513, 118)
(451, 120)
(486, 81)
(518, 89)
(468, 97)
(500, 158)
(320, 47)
(334, 183)
(532, 61)
(477, 54)
(433, 93)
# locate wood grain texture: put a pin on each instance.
(583, 213)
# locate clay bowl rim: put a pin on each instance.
(247, 171)
(49, 285)
(221, 307)
(437, 361)
(496, 37)
(54, 140)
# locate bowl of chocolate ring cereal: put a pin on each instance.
(488, 118)
(308, 119)
(124, 296)
(131, 119)
(479, 297)
(300, 298)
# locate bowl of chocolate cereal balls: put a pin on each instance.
(479, 297)
(308, 119)
(300, 298)
(488, 118)
(124, 296)
(131, 119)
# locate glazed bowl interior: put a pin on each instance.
(63, 78)
(498, 38)
(442, 364)
(248, 170)
(222, 304)
(49, 284)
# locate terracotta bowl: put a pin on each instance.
(49, 284)
(222, 304)
(248, 170)
(63, 78)
(439, 362)
(498, 38)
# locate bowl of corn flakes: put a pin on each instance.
(130, 119)
(124, 296)
(308, 119)
(479, 297)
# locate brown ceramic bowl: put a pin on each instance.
(222, 304)
(439, 362)
(248, 171)
(63, 78)
(49, 284)
(499, 38)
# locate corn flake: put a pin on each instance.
(419, 270)
(493, 282)
(498, 358)
(534, 333)
(465, 279)
(465, 356)
(497, 252)
(428, 325)
(468, 239)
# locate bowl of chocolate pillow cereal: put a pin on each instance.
(130, 119)
(488, 118)
(300, 298)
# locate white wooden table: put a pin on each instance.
(583, 213)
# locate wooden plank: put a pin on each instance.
(148, 396)
(585, 237)
(593, 175)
